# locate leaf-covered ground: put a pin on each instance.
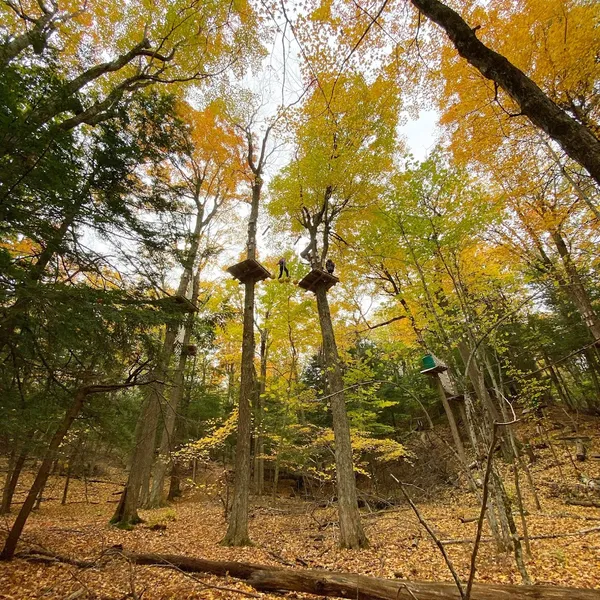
(293, 533)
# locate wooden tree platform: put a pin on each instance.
(433, 365)
(249, 270)
(180, 303)
(186, 304)
(318, 277)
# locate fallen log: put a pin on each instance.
(548, 536)
(43, 556)
(351, 585)
(589, 503)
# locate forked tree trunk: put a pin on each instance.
(144, 498)
(352, 534)
(137, 491)
(126, 513)
(166, 446)
(477, 379)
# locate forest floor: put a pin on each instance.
(296, 533)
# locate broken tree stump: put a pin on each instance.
(580, 450)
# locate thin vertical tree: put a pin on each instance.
(344, 148)
(237, 529)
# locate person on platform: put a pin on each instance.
(330, 266)
(283, 267)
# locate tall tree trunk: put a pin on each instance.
(237, 530)
(9, 471)
(144, 497)
(576, 290)
(479, 448)
(126, 513)
(166, 446)
(572, 401)
(12, 478)
(478, 381)
(179, 438)
(575, 139)
(460, 449)
(352, 534)
(275, 477)
(42, 475)
(174, 482)
(137, 492)
(72, 459)
(259, 446)
(556, 381)
(592, 359)
(67, 480)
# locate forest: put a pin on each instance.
(300, 299)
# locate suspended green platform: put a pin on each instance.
(249, 270)
(316, 278)
(432, 365)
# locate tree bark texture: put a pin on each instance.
(575, 139)
(460, 449)
(353, 585)
(352, 534)
(126, 513)
(237, 530)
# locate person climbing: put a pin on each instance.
(283, 267)
(330, 266)
(306, 254)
